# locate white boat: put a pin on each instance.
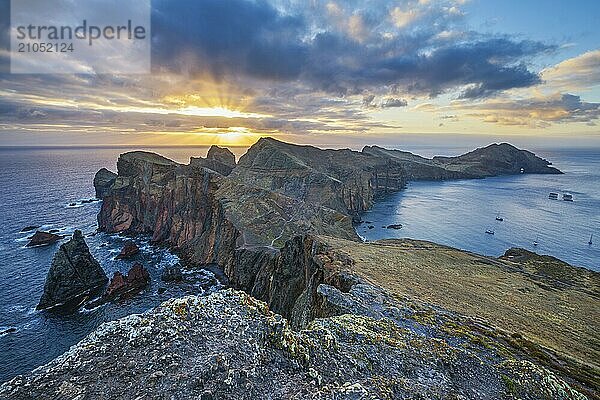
(490, 232)
(567, 197)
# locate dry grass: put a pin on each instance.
(564, 318)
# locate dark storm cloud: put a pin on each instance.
(240, 38)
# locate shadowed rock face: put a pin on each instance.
(129, 250)
(73, 276)
(103, 180)
(41, 238)
(218, 159)
(204, 215)
(122, 285)
(344, 180)
(493, 160)
(221, 154)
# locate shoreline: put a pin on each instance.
(293, 249)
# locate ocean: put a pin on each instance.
(458, 213)
(40, 184)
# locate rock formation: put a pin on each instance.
(493, 160)
(279, 226)
(222, 155)
(73, 276)
(277, 191)
(129, 250)
(218, 159)
(172, 274)
(204, 215)
(123, 285)
(229, 345)
(40, 238)
(103, 180)
(344, 180)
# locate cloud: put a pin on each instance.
(370, 101)
(305, 67)
(575, 73)
(340, 49)
(534, 112)
(403, 18)
(394, 103)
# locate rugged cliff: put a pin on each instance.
(493, 160)
(73, 277)
(393, 319)
(344, 180)
(204, 215)
(218, 159)
(276, 192)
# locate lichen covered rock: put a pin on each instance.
(230, 346)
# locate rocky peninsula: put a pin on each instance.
(316, 313)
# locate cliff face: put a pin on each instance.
(249, 221)
(498, 159)
(344, 180)
(205, 215)
(218, 159)
(103, 181)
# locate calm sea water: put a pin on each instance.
(37, 187)
(458, 213)
(39, 184)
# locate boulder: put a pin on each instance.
(41, 238)
(129, 250)
(29, 228)
(121, 285)
(103, 181)
(395, 226)
(172, 274)
(73, 276)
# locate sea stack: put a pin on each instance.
(121, 285)
(129, 250)
(73, 275)
(218, 159)
(40, 238)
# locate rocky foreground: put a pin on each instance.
(361, 342)
(314, 312)
(230, 346)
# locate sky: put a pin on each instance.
(339, 73)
